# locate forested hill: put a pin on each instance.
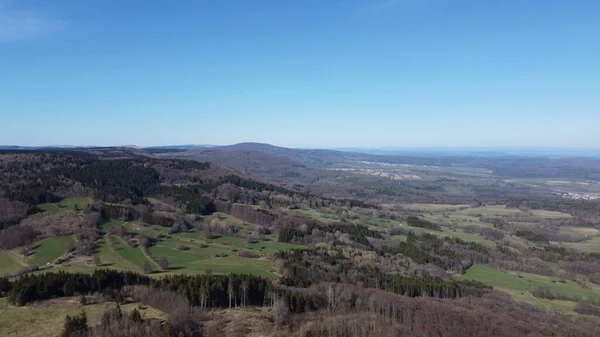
(32, 178)
(516, 166)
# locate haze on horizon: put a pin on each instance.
(358, 73)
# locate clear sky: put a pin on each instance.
(310, 73)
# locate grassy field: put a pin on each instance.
(69, 204)
(137, 228)
(110, 224)
(525, 283)
(218, 254)
(135, 256)
(47, 318)
(433, 207)
(324, 214)
(226, 218)
(110, 258)
(48, 250)
(9, 264)
(580, 230)
(589, 246)
(195, 259)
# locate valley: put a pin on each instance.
(249, 237)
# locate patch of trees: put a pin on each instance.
(115, 180)
(190, 197)
(591, 308)
(355, 311)
(29, 288)
(34, 193)
(187, 165)
(184, 319)
(4, 285)
(115, 323)
(12, 212)
(416, 222)
(17, 236)
(75, 325)
(556, 204)
(219, 291)
(446, 253)
(302, 268)
(210, 291)
(357, 233)
(411, 250)
(246, 213)
(531, 236)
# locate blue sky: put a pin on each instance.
(352, 73)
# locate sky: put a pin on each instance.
(311, 73)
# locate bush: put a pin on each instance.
(542, 292)
(588, 308)
(248, 254)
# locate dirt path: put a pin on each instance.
(149, 258)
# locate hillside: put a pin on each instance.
(219, 244)
(258, 164)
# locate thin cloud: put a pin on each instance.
(20, 23)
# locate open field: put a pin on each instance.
(324, 214)
(524, 283)
(134, 255)
(589, 231)
(8, 263)
(226, 218)
(46, 318)
(110, 224)
(187, 252)
(48, 250)
(69, 204)
(588, 246)
(137, 228)
(434, 207)
(110, 258)
(195, 259)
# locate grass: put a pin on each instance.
(9, 265)
(110, 258)
(321, 214)
(133, 255)
(110, 224)
(458, 233)
(115, 253)
(588, 246)
(524, 282)
(540, 213)
(227, 219)
(47, 318)
(589, 231)
(68, 204)
(198, 260)
(150, 231)
(433, 207)
(48, 250)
